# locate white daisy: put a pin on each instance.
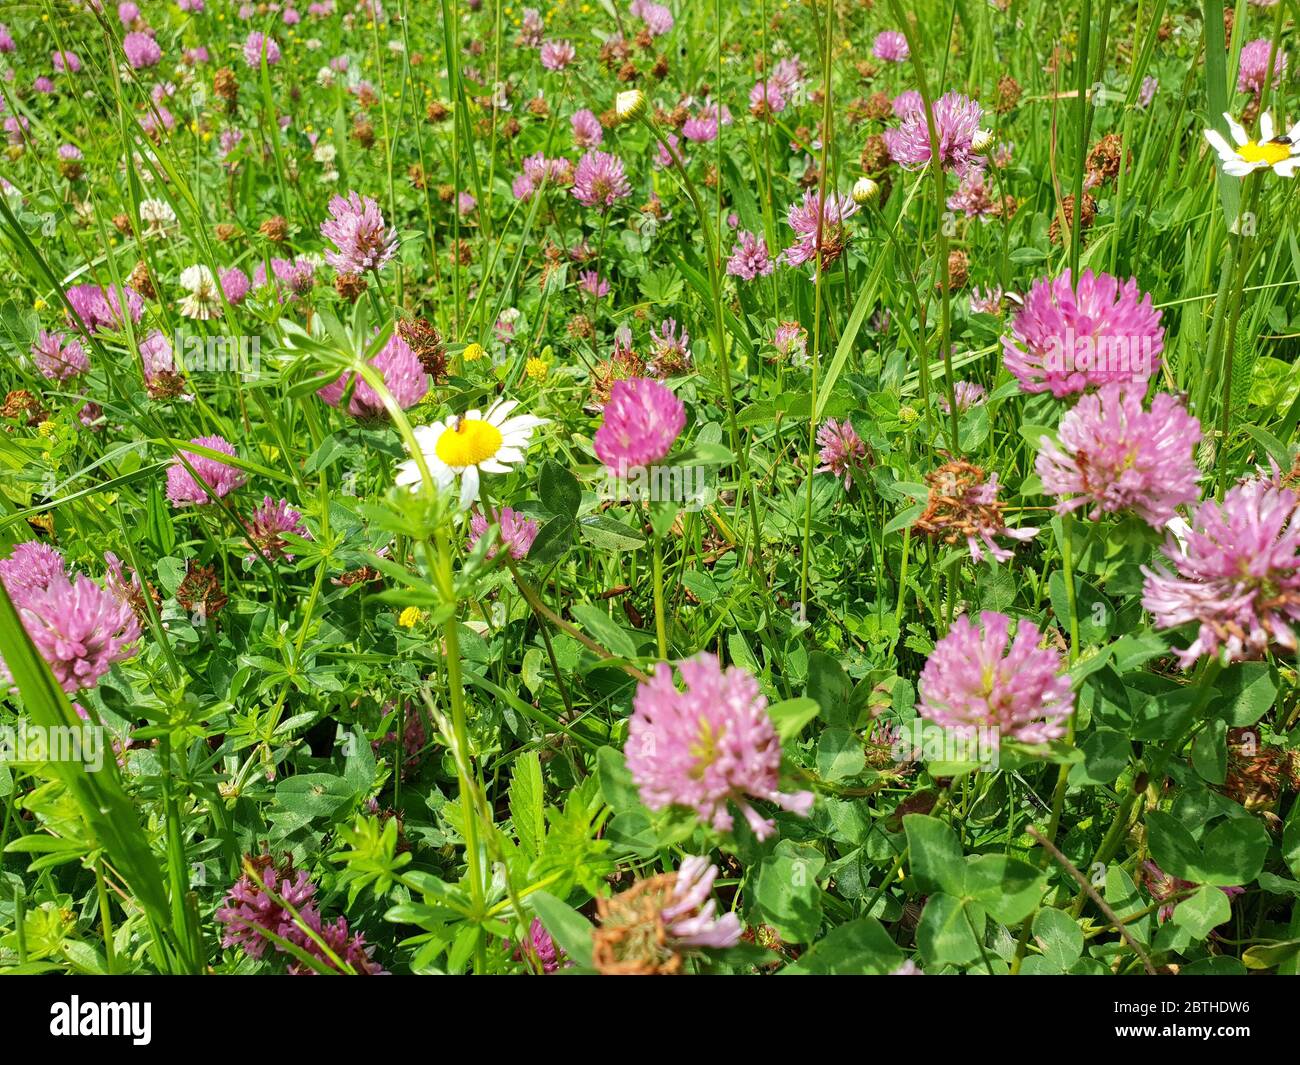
(1279, 154)
(466, 446)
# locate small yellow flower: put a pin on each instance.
(907, 415)
(47, 428)
(409, 617)
(474, 352)
(536, 369)
(40, 304)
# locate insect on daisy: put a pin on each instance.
(469, 445)
(1281, 154)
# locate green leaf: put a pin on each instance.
(791, 715)
(1105, 754)
(527, 809)
(1247, 690)
(1058, 937)
(559, 490)
(1008, 888)
(1203, 912)
(861, 947)
(839, 755)
(615, 780)
(935, 855)
(947, 931)
(786, 891)
(602, 628)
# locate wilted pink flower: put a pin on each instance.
(787, 76)
(818, 226)
(1114, 456)
(708, 746)
(643, 419)
(842, 450)
(890, 46)
(58, 357)
(973, 197)
(1067, 340)
(234, 285)
(1253, 68)
(587, 131)
(671, 349)
(267, 526)
(976, 677)
(556, 55)
(295, 276)
(80, 628)
(989, 302)
(956, 121)
(403, 376)
(593, 284)
(599, 180)
(967, 394)
(356, 227)
(517, 532)
(156, 355)
(531, 28)
(216, 477)
(791, 341)
(257, 45)
(141, 50)
(1238, 574)
(749, 258)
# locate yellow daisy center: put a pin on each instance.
(469, 443)
(1269, 152)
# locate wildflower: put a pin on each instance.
(765, 99)
(593, 284)
(267, 526)
(956, 121)
(1114, 456)
(58, 357)
(531, 28)
(356, 227)
(1147, 91)
(967, 393)
(647, 929)
(517, 532)
(556, 55)
(599, 180)
(977, 677)
(1066, 339)
(658, 19)
(708, 746)
(1253, 66)
(973, 198)
(1280, 154)
(409, 618)
(540, 946)
(963, 504)
(213, 475)
(80, 628)
(257, 47)
(643, 419)
(99, 308)
(989, 302)
(258, 903)
(819, 228)
(1238, 574)
(473, 352)
(750, 258)
(141, 50)
(202, 297)
(790, 340)
(842, 450)
(469, 445)
(672, 350)
(587, 132)
(234, 285)
(157, 216)
(401, 372)
(200, 592)
(890, 46)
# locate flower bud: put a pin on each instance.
(629, 105)
(865, 190)
(982, 140)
